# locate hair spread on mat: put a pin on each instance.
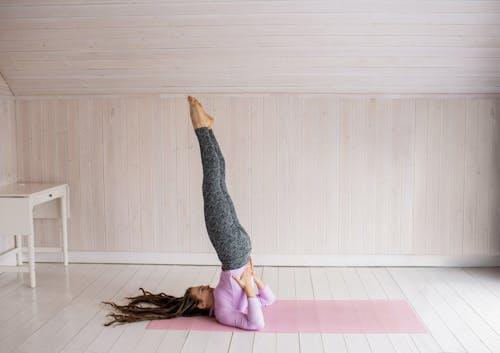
(165, 307)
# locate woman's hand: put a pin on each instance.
(245, 281)
(256, 278)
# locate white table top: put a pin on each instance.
(25, 189)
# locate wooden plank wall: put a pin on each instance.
(53, 47)
(8, 155)
(308, 174)
(4, 88)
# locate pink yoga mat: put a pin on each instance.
(320, 316)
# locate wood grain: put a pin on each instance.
(307, 174)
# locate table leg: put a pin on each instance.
(31, 249)
(64, 220)
(19, 247)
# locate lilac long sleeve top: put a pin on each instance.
(232, 307)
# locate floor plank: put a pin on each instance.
(196, 341)
(266, 342)
(17, 304)
(460, 328)
(357, 343)
(73, 318)
(287, 343)
(47, 304)
(380, 343)
(393, 291)
(439, 328)
(129, 335)
(337, 284)
(334, 343)
(475, 293)
(403, 343)
(460, 307)
(320, 283)
(242, 342)
(93, 336)
(218, 342)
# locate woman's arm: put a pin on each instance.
(265, 295)
(254, 320)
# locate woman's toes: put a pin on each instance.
(198, 114)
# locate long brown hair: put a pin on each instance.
(165, 307)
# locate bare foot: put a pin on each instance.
(211, 126)
(198, 116)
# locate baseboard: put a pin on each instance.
(55, 255)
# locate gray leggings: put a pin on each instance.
(229, 238)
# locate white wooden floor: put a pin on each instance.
(461, 308)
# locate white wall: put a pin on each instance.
(308, 174)
(8, 167)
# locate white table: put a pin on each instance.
(17, 210)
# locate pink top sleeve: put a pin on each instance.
(233, 308)
(266, 296)
(254, 320)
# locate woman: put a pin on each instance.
(234, 301)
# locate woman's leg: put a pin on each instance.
(222, 164)
(230, 242)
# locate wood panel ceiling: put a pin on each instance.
(51, 47)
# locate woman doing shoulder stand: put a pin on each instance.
(234, 301)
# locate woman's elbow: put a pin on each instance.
(256, 326)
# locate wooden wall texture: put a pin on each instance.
(349, 127)
(8, 163)
(8, 155)
(308, 174)
(4, 88)
(52, 47)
